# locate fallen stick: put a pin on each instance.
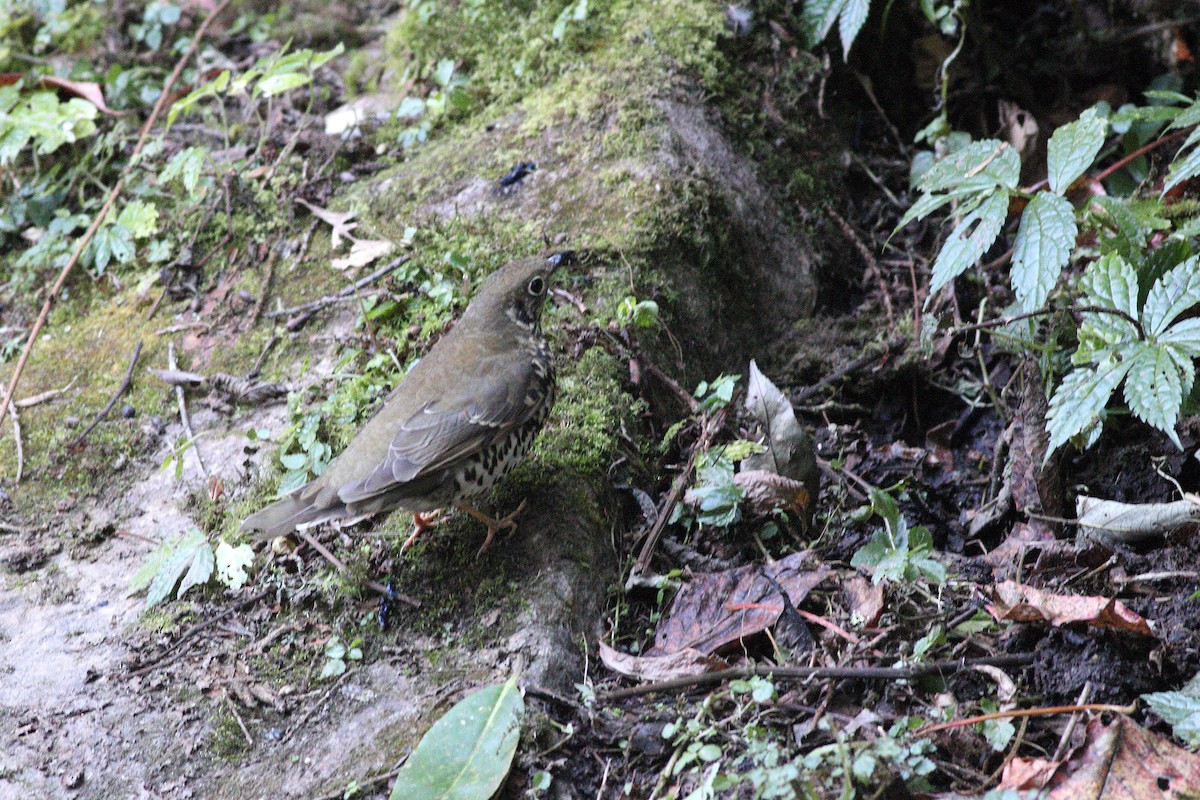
(303, 313)
(802, 673)
(112, 401)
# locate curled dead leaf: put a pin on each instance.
(679, 664)
(1015, 602)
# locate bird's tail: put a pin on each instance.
(284, 515)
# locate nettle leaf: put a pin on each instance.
(1180, 709)
(980, 164)
(1079, 402)
(467, 753)
(969, 240)
(1043, 247)
(1171, 295)
(1073, 148)
(140, 218)
(1185, 335)
(1111, 281)
(186, 166)
(850, 22)
(1121, 225)
(1183, 169)
(1154, 389)
(818, 17)
(188, 558)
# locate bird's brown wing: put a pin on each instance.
(444, 430)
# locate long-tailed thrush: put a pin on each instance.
(461, 419)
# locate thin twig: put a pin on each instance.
(708, 430)
(1027, 712)
(183, 412)
(266, 289)
(867, 256)
(802, 673)
(308, 713)
(242, 725)
(108, 203)
(49, 394)
(112, 401)
(338, 564)
(192, 631)
(303, 313)
(853, 366)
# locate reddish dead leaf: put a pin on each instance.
(1118, 760)
(1026, 774)
(717, 609)
(1020, 603)
(85, 90)
(660, 668)
(864, 599)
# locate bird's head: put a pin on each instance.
(517, 291)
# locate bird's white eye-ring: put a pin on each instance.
(537, 285)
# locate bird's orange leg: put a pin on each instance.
(421, 523)
(493, 524)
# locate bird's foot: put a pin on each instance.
(493, 525)
(421, 523)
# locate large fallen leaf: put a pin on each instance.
(1108, 521)
(1122, 761)
(363, 252)
(660, 668)
(467, 753)
(788, 450)
(717, 609)
(1016, 602)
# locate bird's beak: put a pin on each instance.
(563, 259)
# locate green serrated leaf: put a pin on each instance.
(1171, 295)
(1180, 709)
(468, 752)
(140, 218)
(1186, 335)
(1109, 282)
(969, 240)
(818, 16)
(200, 568)
(1073, 148)
(1153, 389)
(850, 22)
(1044, 242)
(1183, 169)
(1080, 400)
(179, 560)
(988, 162)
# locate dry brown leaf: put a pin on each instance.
(363, 252)
(864, 599)
(717, 609)
(1027, 773)
(1118, 760)
(85, 90)
(1017, 602)
(660, 668)
(341, 221)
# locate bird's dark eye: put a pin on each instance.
(537, 285)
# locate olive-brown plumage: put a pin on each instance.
(461, 419)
